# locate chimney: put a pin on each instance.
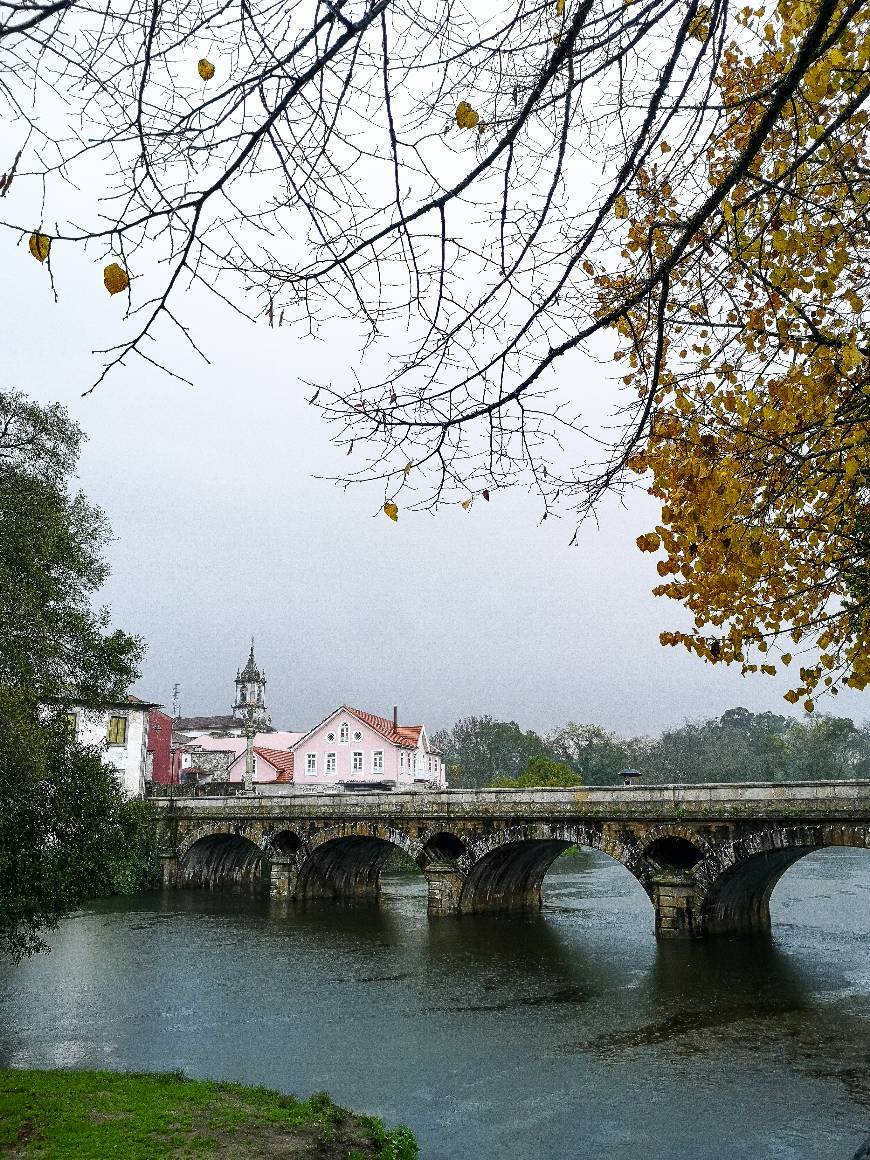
(395, 718)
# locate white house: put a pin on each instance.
(121, 730)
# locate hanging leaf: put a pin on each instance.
(391, 510)
(485, 494)
(39, 246)
(205, 69)
(620, 207)
(560, 7)
(408, 467)
(466, 503)
(466, 118)
(699, 27)
(116, 279)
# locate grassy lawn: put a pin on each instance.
(95, 1114)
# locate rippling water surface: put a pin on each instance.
(569, 1035)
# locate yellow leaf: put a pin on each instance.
(408, 467)
(39, 246)
(391, 510)
(665, 147)
(466, 118)
(648, 543)
(851, 356)
(620, 207)
(699, 27)
(205, 69)
(560, 7)
(466, 503)
(791, 696)
(115, 278)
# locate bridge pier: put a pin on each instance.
(283, 875)
(444, 884)
(674, 899)
(169, 871)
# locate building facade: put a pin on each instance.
(121, 731)
(353, 749)
(350, 749)
(158, 769)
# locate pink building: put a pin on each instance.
(352, 749)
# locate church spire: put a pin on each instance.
(251, 690)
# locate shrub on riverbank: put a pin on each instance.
(136, 866)
(93, 1114)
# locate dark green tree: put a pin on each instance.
(596, 754)
(479, 750)
(63, 821)
(541, 771)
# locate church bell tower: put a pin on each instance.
(251, 690)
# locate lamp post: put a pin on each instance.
(250, 731)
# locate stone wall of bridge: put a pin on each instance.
(708, 857)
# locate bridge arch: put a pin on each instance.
(505, 871)
(221, 858)
(734, 886)
(345, 861)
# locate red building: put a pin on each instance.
(159, 747)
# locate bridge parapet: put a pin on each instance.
(708, 856)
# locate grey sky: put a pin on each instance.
(222, 532)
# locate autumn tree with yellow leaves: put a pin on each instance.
(484, 198)
(759, 380)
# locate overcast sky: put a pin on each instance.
(222, 532)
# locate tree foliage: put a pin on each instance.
(594, 753)
(541, 771)
(472, 197)
(479, 750)
(760, 383)
(65, 830)
(739, 746)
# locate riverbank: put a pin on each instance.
(91, 1115)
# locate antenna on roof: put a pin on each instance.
(176, 702)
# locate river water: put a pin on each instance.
(569, 1035)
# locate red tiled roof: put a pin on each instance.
(405, 736)
(281, 759)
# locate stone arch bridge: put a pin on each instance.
(708, 856)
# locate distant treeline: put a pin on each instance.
(738, 746)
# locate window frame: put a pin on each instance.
(311, 765)
(113, 718)
(376, 766)
(344, 733)
(331, 763)
(357, 767)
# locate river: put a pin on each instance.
(572, 1034)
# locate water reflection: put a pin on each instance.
(568, 1034)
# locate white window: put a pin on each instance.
(430, 764)
(378, 761)
(402, 760)
(311, 763)
(330, 762)
(357, 766)
(344, 733)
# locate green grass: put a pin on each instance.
(95, 1115)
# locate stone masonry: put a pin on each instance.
(708, 856)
